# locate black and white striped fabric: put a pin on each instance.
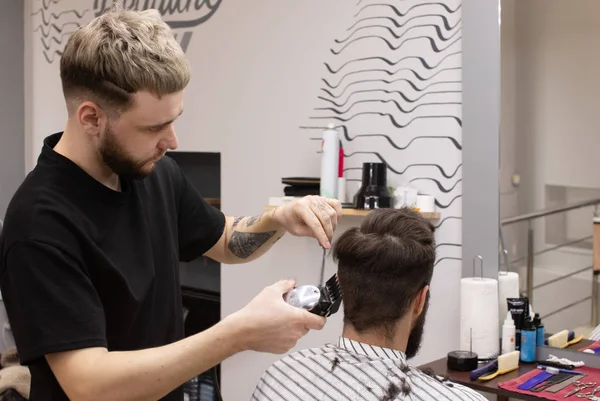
(352, 370)
(595, 334)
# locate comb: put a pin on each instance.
(334, 293)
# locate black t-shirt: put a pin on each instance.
(84, 266)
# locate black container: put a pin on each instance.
(374, 193)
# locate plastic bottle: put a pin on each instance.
(528, 342)
(539, 328)
(508, 334)
(330, 162)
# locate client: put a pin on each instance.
(384, 270)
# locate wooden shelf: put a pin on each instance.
(364, 212)
(213, 201)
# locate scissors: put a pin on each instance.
(580, 386)
(590, 396)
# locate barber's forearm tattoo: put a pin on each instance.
(243, 245)
(252, 220)
(237, 221)
(246, 221)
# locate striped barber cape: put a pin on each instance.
(352, 370)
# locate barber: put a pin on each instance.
(93, 238)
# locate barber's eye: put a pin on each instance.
(155, 129)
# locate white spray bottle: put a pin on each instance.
(329, 162)
(508, 334)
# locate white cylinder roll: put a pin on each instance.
(479, 326)
(508, 287)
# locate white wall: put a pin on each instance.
(258, 70)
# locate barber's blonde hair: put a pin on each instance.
(120, 53)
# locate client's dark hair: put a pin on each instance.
(382, 266)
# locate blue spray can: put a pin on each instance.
(539, 327)
(528, 342)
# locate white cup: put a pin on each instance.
(426, 203)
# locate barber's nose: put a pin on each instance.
(173, 142)
(170, 141)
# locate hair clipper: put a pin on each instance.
(320, 300)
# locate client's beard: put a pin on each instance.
(416, 334)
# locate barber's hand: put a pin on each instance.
(269, 324)
(310, 216)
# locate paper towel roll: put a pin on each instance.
(426, 203)
(508, 287)
(479, 316)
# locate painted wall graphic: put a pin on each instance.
(392, 83)
(53, 23)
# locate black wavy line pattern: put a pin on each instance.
(399, 171)
(58, 29)
(390, 117)
(389, 73)
(438, 225)
(393, 33)
(400, 14)
(422, 60)
(439, 184)
(391, 46)
(445, 258)
(446, 23)
(349, 138)
(53, 27)
(392, 86)
(395, 103)
(393, 144)
(45, 4)
(448, 244)
(57, 16)
(385, 81)
(446, 206)
(388, 92)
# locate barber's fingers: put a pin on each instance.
(313, 322)
(309, 218)
(283, 286)
(336, 205)
(326, 216)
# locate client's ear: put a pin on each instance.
(420, 300)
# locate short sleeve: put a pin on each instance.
(200, 225)
(51, 303)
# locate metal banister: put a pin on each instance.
(548, 212)
(530, 256)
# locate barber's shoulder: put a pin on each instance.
(39, 216)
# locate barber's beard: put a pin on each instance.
(117, 159)
(416, 334)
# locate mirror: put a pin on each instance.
(550, 61)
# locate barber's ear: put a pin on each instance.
(420, 300)
(90, 117)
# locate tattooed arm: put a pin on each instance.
(247, 238)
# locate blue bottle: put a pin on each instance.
(539, 327)
(528, 342)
